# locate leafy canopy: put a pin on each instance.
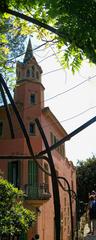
(74, 20)
(86, 178)
(14, 218)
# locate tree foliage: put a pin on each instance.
(14, 218)
(74, 21)
(11, 44)
(86, 178)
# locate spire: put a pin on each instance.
(29, 52)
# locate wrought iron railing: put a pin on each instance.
(37, 192)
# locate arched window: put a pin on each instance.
(28, 73)
(37, 75)
(32, 128)
(33, 71)
(33, 98)
(18, 73)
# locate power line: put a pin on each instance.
(75, 116)
(52, 71)
(54, 53)
(25, 52)
(79, 114)
(45, 56)
(36, 48)
(70, 89)
(19, 55)
(49, 56)
(64, 92)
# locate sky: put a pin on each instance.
(71, 98)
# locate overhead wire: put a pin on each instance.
(59, 94)
(79, 114)
(70, 89)
(64, 92)
(44, 56)
(50, 46)
(49, 56)
(52, 71)
(35, 49)
(70, 118)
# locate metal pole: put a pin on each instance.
(55, 187)
(71, 215)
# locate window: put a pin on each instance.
(1, 128)
(14, 172)
(28, 73)
(68, 211)
(52, 138)
(64, 201)
(32, 129)
(18, 73)
(37, 75)
(72, 185)
(33, 71)
(46, 180)
(65, 222)
(68, 229)
(61, 148)
(55, 140)
(33, 98)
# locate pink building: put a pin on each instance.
(29, 99)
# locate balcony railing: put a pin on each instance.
(37, 192)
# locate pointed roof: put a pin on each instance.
(29, 52)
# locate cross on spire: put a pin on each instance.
(29, 52)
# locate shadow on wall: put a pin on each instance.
(36, 237)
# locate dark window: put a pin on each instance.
(37, 75)
(28, 73)
(46, 176)
(55, 140)
(18, 73)
(14, 173)
(72, 185)
(1, 128)
(52, 138)
(61, 148)
(33, 98)
(33, 71)
(1, 100)
(32, 129)
(23, 236)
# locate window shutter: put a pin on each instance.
(23, 236)
(15, 179)
(10, 172)
(32, 178)
(32, 172)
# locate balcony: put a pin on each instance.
(37, 195)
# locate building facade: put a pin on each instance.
(25, 174)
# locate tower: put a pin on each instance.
(24, 173)
(29, 89)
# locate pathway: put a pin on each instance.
(88, 236)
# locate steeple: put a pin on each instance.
(29, 70)
(29, 52)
